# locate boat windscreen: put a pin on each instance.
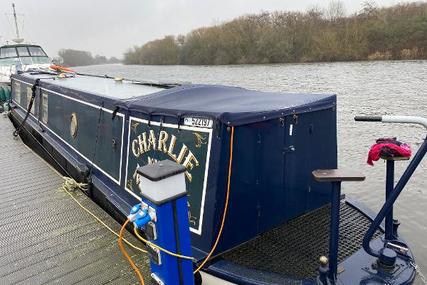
(8, 52)
(36, 51)
(23, 51)
(27, 54)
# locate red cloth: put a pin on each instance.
(389, 150)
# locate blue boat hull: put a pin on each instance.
(285, 147)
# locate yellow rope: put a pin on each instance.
(70, 185)
(161, 248)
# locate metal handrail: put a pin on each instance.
(393, 119)
(402, 181)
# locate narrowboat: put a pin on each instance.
(260, 168)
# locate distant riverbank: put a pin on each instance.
(72, 57)
(318, 35)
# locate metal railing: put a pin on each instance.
(388, 205)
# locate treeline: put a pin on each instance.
(373, 33)
(71, 57)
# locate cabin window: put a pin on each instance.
(17, 92)
(23, 51)
(29, 94)
(8, 52)
(36, 51)
(44, 109)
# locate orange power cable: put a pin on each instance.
(224, 215)
(123, 250)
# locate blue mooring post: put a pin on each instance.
(163, 217)
(388, 189)
(335, 229)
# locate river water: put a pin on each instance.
(391, 87)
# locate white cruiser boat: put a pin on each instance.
(20, 56)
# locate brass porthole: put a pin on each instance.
(73, 125)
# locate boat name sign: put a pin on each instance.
(189, 146)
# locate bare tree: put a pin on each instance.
(335, 11)
(317, 35)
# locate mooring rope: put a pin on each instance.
(135, 230)
(71, 185)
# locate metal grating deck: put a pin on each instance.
(294, 248)
(45, 237)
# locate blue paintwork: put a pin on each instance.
(388, 189)
(358, 269)
(268, 154)
(271, 183)
(335, 227)
(172, 269)
(231, 106)
(246, 276)
(184, 239)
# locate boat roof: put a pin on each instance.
(98, 85)
(19, 45)
(230, 105)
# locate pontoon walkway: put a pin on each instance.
(45, 237)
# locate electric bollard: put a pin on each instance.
(163, 217)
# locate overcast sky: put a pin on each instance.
(109, 27)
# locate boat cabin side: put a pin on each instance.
(271, 179)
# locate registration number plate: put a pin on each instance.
(198, 122)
